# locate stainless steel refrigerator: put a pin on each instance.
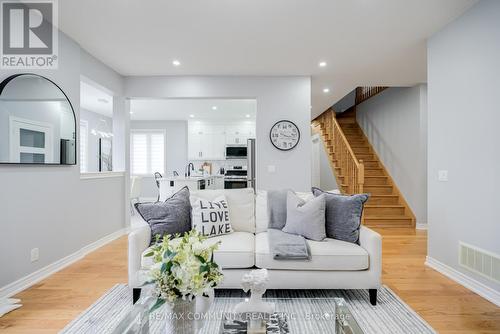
(251, 163)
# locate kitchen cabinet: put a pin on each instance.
(195, 150)
(238, 133)
(207, 140)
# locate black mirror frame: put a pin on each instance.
(4, 83)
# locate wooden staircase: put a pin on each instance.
(386, 206)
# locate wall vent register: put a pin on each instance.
(480, 261)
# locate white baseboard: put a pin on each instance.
(35, 277)
(421, 226)
(462, 279)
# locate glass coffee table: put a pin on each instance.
(300, 315)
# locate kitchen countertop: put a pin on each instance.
(189, 178)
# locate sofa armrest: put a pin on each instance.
(138, 240)
(371, 241)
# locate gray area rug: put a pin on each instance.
(390, 316)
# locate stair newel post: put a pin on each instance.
(361, 176)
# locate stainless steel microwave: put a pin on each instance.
(236, 152)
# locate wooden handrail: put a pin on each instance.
(352, 169)
(364, 93)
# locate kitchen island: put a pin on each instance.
(169, 185)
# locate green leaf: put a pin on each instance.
(159, 303)
(201, 259)
(204, 268)
(166, 267)
(169, 254)
(149, 254)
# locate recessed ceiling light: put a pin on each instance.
(131, 112)
(214, 107)
(176, 62)
(191, 116)
(101, 100)
(322, 64)
(247, 115)
(326, 90)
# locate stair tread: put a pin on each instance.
(378, 185)
(375, 176)
(384, 206)
(387, 217)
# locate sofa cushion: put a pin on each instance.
(236, 251)
(211, 217)
(329, 254)
(261, 211)
(241, 204)
(169, 217)
(343, 214)
(305, 218)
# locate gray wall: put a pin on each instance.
(176, 150)
(51, 208)
(94, 122)
(277, 98)
(464, 81)
(395, 123)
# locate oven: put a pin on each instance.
(235, 178)
(235, 183)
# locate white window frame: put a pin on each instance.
(15, 126)
(148, 132)
(84, 158)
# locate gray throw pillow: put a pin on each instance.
(343, 215)
(169, 217)
(305, 218)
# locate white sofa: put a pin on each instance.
(334, 264)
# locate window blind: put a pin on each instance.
(147, 152)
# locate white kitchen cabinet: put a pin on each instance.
(236, 139)
(217, 149)
(238, 133)
(195, 150)
(207, 140)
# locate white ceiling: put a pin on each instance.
(364, 42)
(96, 100)
(182, 109)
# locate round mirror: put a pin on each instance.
(37, 122)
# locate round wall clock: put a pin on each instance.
(284, 135)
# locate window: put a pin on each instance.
(147, 152)
(84, 144)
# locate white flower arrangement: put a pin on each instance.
(183, 268)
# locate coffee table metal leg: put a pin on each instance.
(136, 294)
(373, 296)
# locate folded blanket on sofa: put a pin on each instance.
(283, 246)
(286, 246)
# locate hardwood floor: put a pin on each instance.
(447, 306)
